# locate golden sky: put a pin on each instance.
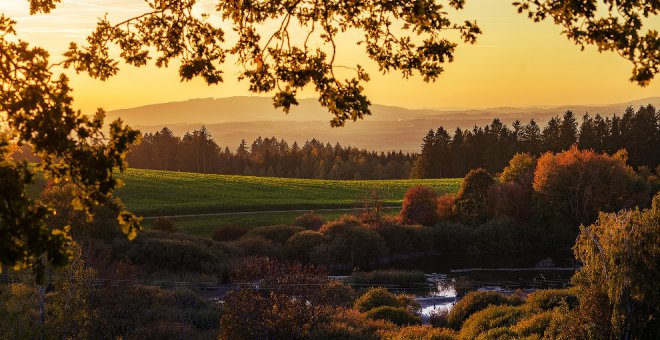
(516, 62)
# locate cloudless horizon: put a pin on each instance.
(515, 63)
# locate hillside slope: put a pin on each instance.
(153, 192)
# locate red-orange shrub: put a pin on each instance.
(419, 206)
(446, 207)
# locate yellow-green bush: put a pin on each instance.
(398, 315)
(349, 324)
(474, 302)
(376, 297)
(300, 246)
(535, 324)
(547, 299)
(420, 333)
(492, 317)
(350, 243)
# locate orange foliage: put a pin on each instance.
(579, 183)
(445, 208)
(419, 206)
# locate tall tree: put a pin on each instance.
(588, 138)
(423, 165)
(552, 135)
(531, 139)
(568, 131)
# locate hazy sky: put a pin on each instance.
(516, 62)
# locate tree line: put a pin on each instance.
(491, 146)
(197, 152)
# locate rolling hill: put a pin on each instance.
(389, 128)
(154, 193)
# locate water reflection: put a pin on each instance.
(447, 289)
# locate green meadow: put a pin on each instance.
(253, 201)
(167, 193)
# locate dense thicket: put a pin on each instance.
(492, 146)
(198, 152)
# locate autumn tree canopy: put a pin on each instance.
(619, 255)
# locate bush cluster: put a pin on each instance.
(380, 304)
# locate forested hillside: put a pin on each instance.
(491, 146)
(196, 151)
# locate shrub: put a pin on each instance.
(397, 315)
(277, 234)
(497, 333)
(376, 297)
(420, 333)
(337, 294)
(121, 308)
(503, 235)
(490, 319)
(251, 315)
(590, 319)
(228, 233)
(349, 324)
(536, 324)
(309, 220)
(471, 200)
(452, 237)
(405, 239)
(300, 246)
(399, 277)
(256, 246)
(294, 279)
(351, 243)
(547, 299)
(419, 206)
(446, 208)
(174, 252)
(163, 330)
(474, 302)
(438, 318)
(164, 224)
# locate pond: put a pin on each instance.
(451, 277)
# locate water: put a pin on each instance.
(452, 277)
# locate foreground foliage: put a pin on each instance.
(36, 109)
(621, 258)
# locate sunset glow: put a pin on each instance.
(516, 62)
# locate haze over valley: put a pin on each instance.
(389, 128)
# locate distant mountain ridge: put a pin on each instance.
(389, 128)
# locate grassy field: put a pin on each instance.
(154, 193)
